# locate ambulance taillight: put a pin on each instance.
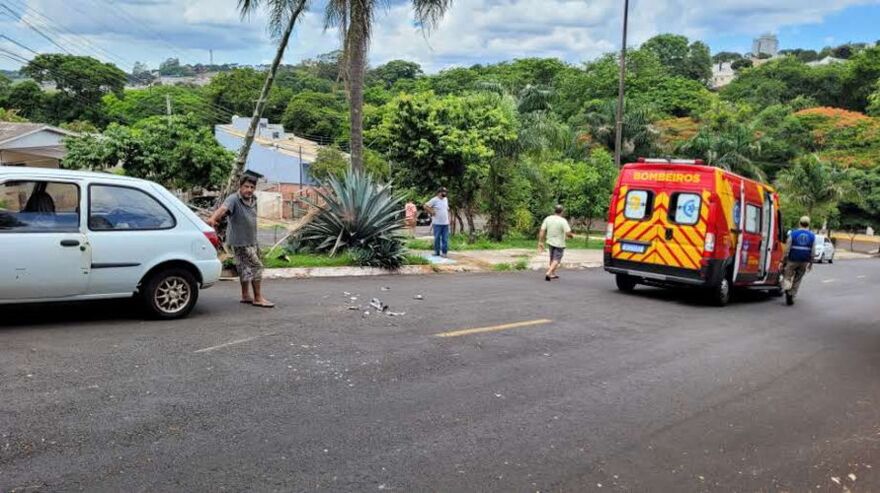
(609, 236)
(710, 243)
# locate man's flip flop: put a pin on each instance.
(247, 302)
(264, 305)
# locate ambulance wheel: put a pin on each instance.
(721, 293)
(625, 283)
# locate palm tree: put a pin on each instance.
(354, 18)
(815, 184)
(736, 149)
(283, 15)
(599, 125)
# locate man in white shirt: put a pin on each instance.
(438, 207)
(555, 229)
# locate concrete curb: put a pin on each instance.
(322, 272)
(409, 270)
(415, 270)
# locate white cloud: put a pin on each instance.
(480, 31)
(474, 31)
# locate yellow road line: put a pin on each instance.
(494, 328)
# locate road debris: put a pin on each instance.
(852, 477)
(836, 480)
(378, 305)
(354, 307)
(396, 314)
(386, 288)
(366, 314)
(418, 297)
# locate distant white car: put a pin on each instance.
(74, 235)
(823, 250)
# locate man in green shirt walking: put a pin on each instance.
(554, 230)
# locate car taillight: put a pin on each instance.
(710, 242)
(609, 232)
(213, 238)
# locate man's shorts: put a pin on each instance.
(556, 253)
(248, 263)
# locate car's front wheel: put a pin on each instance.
(170, 293)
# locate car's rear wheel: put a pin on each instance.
(721, 293)
(625, 283)
(169, 294)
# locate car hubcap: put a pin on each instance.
(172, 295)
(724, 290)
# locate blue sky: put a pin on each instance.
(853, 24)
(474, 31)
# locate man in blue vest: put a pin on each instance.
(798, 260)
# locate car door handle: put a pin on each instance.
(69, 243)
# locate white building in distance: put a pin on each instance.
(767, 44)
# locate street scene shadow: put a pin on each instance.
(18, 316)
(696, 297)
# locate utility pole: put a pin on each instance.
(302, 180)
(618, 138)
(168, 105)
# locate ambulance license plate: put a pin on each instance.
(633, 247)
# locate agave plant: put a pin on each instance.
(360, 215)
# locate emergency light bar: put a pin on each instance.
(671, 161)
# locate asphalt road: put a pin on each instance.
(645, 392)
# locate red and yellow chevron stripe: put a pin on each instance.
(685, 251)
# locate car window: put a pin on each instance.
(39, 207)
(685, 208)
(753, 219)
(638, 204)
(115, 208)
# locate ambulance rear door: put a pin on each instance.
(636, 225)
(686, 222)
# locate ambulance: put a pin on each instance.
(681, 223)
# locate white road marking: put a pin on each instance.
(827, 281)
(227, 344)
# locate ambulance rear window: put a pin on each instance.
(684, 208)
(638, 204)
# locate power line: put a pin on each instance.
(34, 28)
(56, 28)
(17, 43)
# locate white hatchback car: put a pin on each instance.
(74, 235)
(823, 250)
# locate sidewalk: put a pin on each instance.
(848, 255)
(490, 259)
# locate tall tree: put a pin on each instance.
(597, 125)
(81, 82)
(177, 151)
(354, 18)
(283, 15)
(736, 148)
(814, 185)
